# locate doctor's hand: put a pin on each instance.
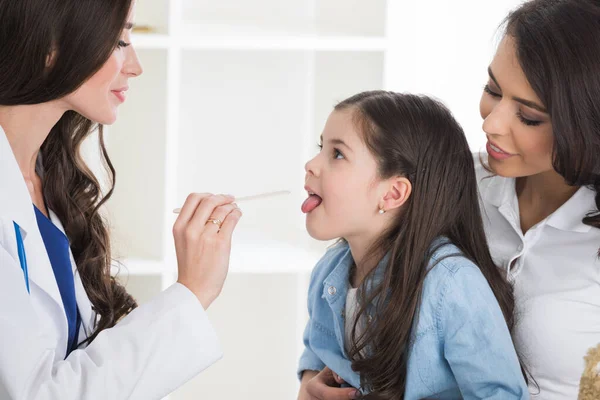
(324, 385)
(202, 235)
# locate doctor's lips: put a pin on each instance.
(313, 201)
(120, 93)
(253, 197)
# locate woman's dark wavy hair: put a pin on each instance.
(418, 138)
(558, 48)
(80, 35)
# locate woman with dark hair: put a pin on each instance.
(69, 330)
(540, 188)
(540, 184)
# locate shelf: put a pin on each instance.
(150, 40)
(273, 257)
(335, 17)
(339, 75)
(286, 43)
(242, 124)
(265, 42)
(259, 257)
(135, 144)
(138, 267)
(255, 318)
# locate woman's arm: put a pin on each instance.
(324, 385)
(151, 352)
(306, 376)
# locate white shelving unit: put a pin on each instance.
(233, 99)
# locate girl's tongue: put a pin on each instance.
(311, 203)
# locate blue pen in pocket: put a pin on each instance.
(22, 256)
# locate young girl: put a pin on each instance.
(409, 303)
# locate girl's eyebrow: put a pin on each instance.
(336, 141)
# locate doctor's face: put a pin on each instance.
(515, 121)
(100, 96)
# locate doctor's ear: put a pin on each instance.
(399, 190)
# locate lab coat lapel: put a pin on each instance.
(16, 205)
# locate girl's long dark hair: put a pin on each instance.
(415, 137)
(80, 35)
(558, 48)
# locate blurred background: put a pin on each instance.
(233, 99)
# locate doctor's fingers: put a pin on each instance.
(229, 224)
(189, 208)
(200, 208)
(217, 219)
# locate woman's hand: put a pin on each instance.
(324, 385)
(202, 235)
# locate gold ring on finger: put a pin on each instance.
(215, 221)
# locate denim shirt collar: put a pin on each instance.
(335, 286)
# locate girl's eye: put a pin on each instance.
(122, 44)
(489, 91)
(526, 121)
(338, 155)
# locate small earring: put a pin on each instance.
(381, 211)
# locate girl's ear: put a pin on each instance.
(398, 193)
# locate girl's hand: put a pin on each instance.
(202, 235)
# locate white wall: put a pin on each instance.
(443, 48)
(242, 111)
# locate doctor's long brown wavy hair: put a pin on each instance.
(81, 35)
(418, 138)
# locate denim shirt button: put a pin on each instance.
(332, 290)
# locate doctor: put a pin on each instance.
(67, 329)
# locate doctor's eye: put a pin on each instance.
(122, 44)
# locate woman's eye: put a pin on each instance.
(528, 122)
(489, 91)
(122, 44)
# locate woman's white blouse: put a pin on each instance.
(556, 276)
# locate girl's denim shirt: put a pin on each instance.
(460, 346)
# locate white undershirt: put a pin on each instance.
(556, 274)
(350, 315)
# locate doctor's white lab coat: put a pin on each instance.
(150, 353)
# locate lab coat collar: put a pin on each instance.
(16, 205)
(15, 201)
